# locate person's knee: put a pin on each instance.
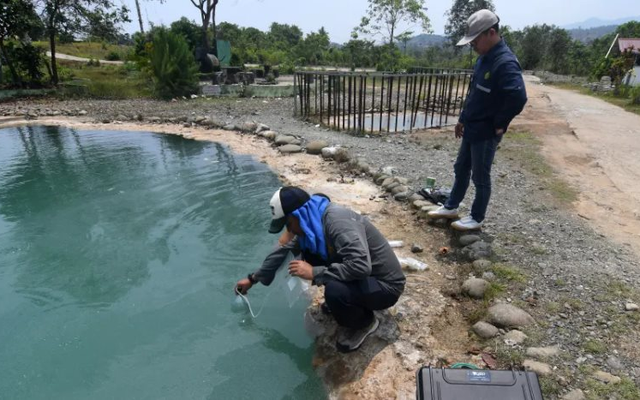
(335, 292)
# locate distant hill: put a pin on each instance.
(590, 34)
(426, 40)
(597, 22)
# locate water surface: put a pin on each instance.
(118, 255)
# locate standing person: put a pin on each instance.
(341, 250)
(497, 94)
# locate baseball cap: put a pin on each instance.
(477, 23)
(283, 202)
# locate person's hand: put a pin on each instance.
(243, 286)
(459, 130)
(499, 131)
(301, 269)
(285, 238)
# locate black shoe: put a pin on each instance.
(325, 309)
(351, 339)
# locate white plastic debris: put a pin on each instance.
(413, 264)
(396, 243)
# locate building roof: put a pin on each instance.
(628, 43)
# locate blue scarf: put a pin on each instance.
(310, 217)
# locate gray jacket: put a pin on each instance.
(356, 250)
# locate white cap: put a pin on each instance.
(477, 23)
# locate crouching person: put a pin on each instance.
(341, 250)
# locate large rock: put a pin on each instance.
(606, 377)
(475, 287)
(509, 316)
(418, 204)
(316, 146)
(477, 250)
(399, 189)
(270, 135)
(261, 128)
(543, 352)
(249, 127)
(514, 337)
(481, 265)
(466, 240)
(290, 148)
(229, 127)
(539, 368)
(485, 330)
(576, 394)
(286, 139)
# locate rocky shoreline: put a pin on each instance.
(571, 291)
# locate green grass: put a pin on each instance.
(624, 390)
(524, 148)
(105, 81)
(608, 97)
(95, 50)
(595, 347)
(508, 273)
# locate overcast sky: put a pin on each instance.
(340, 16)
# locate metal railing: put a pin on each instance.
(381, 102)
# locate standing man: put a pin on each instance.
(341, 250)
(497, 94)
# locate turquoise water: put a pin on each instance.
(118, 256)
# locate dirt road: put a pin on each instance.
(61, 56)
(595, 146)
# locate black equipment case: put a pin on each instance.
(474, 384)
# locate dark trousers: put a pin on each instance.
(352, 303)
(474, 161)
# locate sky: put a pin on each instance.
(339, 17)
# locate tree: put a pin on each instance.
(207, 10)
(284, 36)
(386, 17)
(189, 30)
(76, 16)
(459, 13)
(16, 19)
(139, 16)
(172, 64)
(404, 39)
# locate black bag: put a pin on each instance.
(436, 196)
(475, 384)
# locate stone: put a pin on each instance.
(415, 248)
(466, 240)
(403, 181)
(606, 377)
(138, 117)
(514, 337)
(200, 119)
(154, 120)
(379, 179)
(389, 170)
(418, 204)
(229, 127)
(543, 352)
(261, 128)
(475, 287)
(400, 189)
(576, 394)
(631, 307)
(388, 182)
(341, 156)
(415, 197)
(539, 368)
(488, 276)
(83, 112)
(614, 363)
(402, 196)
(366, 168)
(290, 148)
(509, 316)
(477, 250)
(121, 117)
(329, 152)
(482, 264)
(316, 146)
(286, 139)
(249, 127)
(485, 330)
(270, 135)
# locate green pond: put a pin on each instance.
(118, 256)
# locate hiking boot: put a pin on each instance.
(324, 307)
(351, 339)
(443, 212)
(466, 224)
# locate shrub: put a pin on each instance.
(635, 95)
(172, 65)
(113, 56)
